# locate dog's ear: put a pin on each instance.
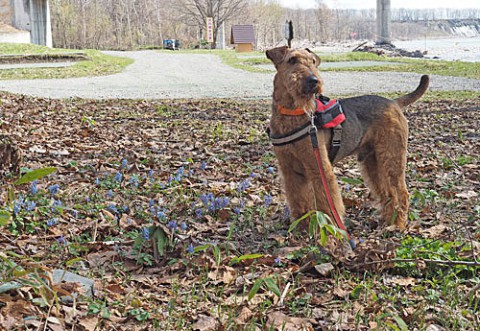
(276, 55)
(317, 58)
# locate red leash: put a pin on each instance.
(336, 216)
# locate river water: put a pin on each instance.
(461, 49)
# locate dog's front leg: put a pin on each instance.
(321, 202)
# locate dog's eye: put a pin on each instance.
(292, 60)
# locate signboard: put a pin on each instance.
(210, 29)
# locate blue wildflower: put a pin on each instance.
(51, 222)
(30, 205)
(270, 170)
(150, 173)
(172, 225)
(17, 207)
(110, 194)
(243, 186)
(53, 189)
(206, 198)
(278, 260)
(237, 210)
(347, 187)
(179, 174)
(160, 214)
(190, 249)
(146, 233)
(183, 226)
(33, 187)
(97, 181)
(124, 163)
(62, 241)
(111, 207)
(203, 166)
(267, 200)
(199, 213)
(253, 175)
(118, 177)
(134, 181)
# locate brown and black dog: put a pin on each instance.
(375, 130)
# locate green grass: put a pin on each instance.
(99, 64)
(250, 62)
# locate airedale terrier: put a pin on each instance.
(374, 129)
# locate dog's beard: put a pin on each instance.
(306, 103)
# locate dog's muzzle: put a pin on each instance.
(311, 84)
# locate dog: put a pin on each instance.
(374, 129)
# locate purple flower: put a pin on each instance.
(267, 200)
(33, 187)
(172, 225)
(62, 241)
(150, 174)
(199, 213)
(146, 233)
(243, 186)
(51, 222)
(112, 208)
(30, 205)
(278, 260)
(347, 187)
(118, 177)
(134, 181)
(203, 166)
(190, 249)
(53, 189)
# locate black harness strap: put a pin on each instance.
(321, 118)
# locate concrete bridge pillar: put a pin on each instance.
(383, 22)
(33, 16)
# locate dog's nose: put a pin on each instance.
(312, 82)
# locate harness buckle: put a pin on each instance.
(337, 136)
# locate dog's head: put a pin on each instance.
(297, 72)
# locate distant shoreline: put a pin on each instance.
(451, 49)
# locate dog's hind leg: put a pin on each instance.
(383, 162)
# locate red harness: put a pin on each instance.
(328, 112)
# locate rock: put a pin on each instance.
(324, 269)
(59, 276)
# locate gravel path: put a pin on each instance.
(156, 75)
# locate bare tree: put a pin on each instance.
(195, 13)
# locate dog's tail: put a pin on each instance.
(415, 95)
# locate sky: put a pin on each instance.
(362, 4)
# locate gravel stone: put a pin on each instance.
(161, 75)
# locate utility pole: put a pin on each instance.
(383, 22)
